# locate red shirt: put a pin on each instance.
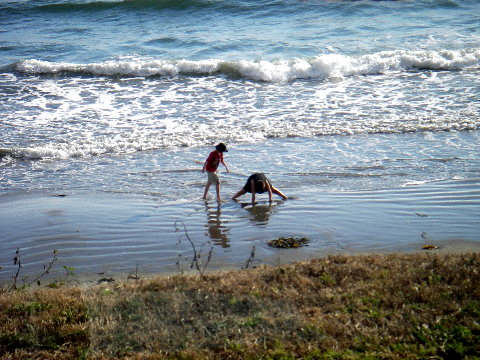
(213, 161)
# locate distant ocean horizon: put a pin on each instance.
(333, 100)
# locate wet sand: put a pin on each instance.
(110, 235)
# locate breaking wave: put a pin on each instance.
(321, 67)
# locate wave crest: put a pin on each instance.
(320, 67)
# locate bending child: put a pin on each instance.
(258, 184)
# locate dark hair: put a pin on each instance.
(260, 186)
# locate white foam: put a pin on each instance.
(76, 116)
(320, 67)
(123, 67)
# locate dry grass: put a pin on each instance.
(409, 306)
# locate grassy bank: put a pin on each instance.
(400, 306)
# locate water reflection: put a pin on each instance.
(259, 214)
(216, 229)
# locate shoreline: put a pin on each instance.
(114, 234)
(87, 280)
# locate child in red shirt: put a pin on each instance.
(211, 165)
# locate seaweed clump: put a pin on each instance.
(288, 242)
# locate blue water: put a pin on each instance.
(119, 102)
(96, 31)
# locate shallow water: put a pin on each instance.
(390, 199)
(112, 233)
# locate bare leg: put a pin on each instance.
(278, 192)
(217, 187)
(240, 193)
(206, 191)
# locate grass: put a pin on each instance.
(398, 306)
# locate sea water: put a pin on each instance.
(365, 113)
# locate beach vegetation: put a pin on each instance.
(197, 261)
(22, 282)
(395, 306)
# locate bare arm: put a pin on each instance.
(269, 189)
(226, 167)
(252, 187)
(278, 192)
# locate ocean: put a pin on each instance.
(365, 113)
